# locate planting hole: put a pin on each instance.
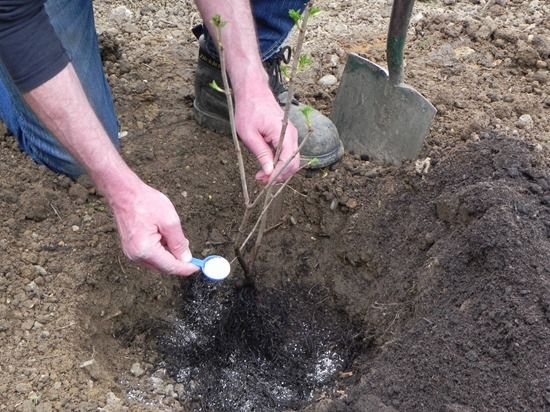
(246, 349)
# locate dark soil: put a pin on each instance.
(244, 349)
(446, 274)
(459, 291)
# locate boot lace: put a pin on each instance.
(273, 68)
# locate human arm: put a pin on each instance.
(38, 64)
(258, 116)
(146, 220)
(35, 59)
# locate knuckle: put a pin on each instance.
(181, 245)
(264, 155)
(172, 221)
(172, 269)
(138, 251)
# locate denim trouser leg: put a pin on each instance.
(273, 24)
(73, 22)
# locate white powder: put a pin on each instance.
(217, 268)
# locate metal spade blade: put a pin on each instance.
(377, 114)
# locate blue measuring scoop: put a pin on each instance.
(214, 267)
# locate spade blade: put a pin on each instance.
(375, 118)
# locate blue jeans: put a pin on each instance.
(73, 22)
(273, 25)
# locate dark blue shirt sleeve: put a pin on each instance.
(29, 47)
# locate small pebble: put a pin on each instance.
(32, 287)
(40, 270)
(37, 325)
(328, 80)
(525, 121)
(542, 76)
(137, 370)
(130, 28)
(4, 325)
(30, 257)
(157, 384)
(169, 389)
(23, 387)
(95, 371)
(114, 403)
(28, 324)
(471, 355)
(463, 52)
(372, 173)
(416, 18)
(121, 13)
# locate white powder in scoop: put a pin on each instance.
(217, 268)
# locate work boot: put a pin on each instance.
(323, 147)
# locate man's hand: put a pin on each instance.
(259, 121)
(150, 231)
(258, 116)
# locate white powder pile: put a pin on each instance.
(217, 268)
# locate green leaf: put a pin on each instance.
(314, 10)
(295, 15)
(217, 21)
(35, 399)
(285, 72)
(306, 111)
(304, 61)
(213, 85)
(313, 162)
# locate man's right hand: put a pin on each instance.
(150, 231)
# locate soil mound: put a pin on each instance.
(461, 301)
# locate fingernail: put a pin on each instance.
(187, 256)
(268, 168)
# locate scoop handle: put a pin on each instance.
(198, 262)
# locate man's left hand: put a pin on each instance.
(259, 121)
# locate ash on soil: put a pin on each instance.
(247, 349)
